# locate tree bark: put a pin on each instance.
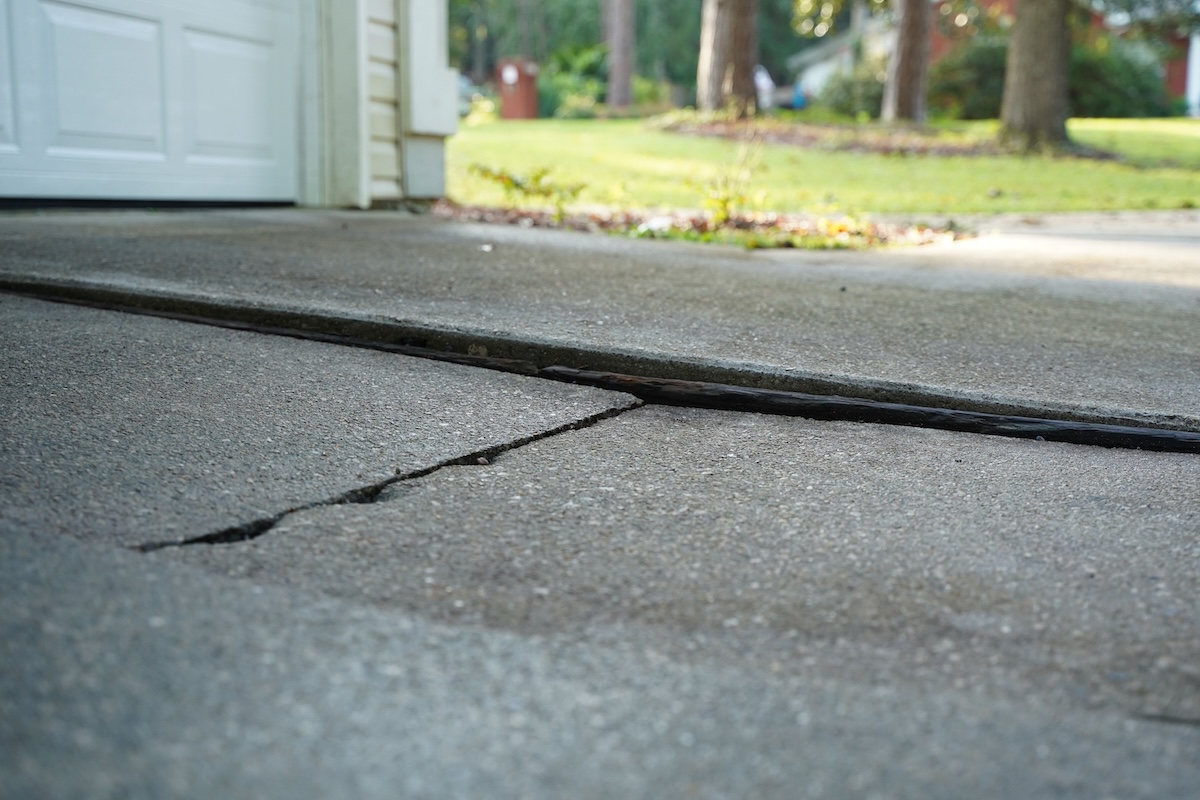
(908, 68)
(479, 37)
(526, 23)
(728, 53)
(711, 67)
(1033, 113)
(741, 58)
(619, 32)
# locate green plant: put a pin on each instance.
(537, 186)
(579, 105)
(1178, 107)
(969, 83)
(1109, 77)
(649, 92)
(567, 95)
(589, 61)
(572, 82)
(727, 192)
(858, 93)
(650, 96)
(812, 115)
(1116, 78)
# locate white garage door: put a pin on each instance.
(149, 99)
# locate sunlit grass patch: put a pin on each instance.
(624, 163)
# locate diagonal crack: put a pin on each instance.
(1170, 719)
(365, 495)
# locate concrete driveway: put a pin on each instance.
(243, 564)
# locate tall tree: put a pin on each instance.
(1034, 111)
(1035, 106)
(711, 68)
(908, 67)
(728, 54)
(619, 34)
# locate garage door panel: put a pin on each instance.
(89, 52)
(150, 99)
(8, 93)
(231, 104)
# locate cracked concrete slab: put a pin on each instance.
(898, 557)
(1026, 324)
(669, 603)
(124, 675)
(133, 429)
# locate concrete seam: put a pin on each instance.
(527, 356)
(954, 413)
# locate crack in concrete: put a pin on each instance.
(1170, 719)
(464, 348)
(365, 495)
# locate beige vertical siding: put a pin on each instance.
(384, 110)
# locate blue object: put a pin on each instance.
(799, 99)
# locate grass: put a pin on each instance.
(1144, 142)
(623, 163)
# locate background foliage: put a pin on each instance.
(565, 38)
(1109, 77)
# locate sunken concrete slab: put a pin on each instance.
(124, 675)
(900, 557)
(737, 605)
(1074, 325)
(136, 430)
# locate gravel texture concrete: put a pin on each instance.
(1086, 329)
(896, 556)
(474, 584)
(655, 607)
(140, 430)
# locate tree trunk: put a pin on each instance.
(711, 67)
(741, 58)
(479, 36)
(728, 53)
(525, 21)
(619, 32)
(1033, 113)
(908, 68)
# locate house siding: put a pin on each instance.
(383, 113)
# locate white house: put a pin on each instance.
(815, 66)
(342, 103)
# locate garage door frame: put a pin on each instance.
(372, 105)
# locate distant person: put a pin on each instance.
(764, 87)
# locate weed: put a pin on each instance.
(537, 186)
(727, 194)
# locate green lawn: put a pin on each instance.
(624, 164)
(1145, 142)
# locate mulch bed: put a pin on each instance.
(762, 230)
(898, 141)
